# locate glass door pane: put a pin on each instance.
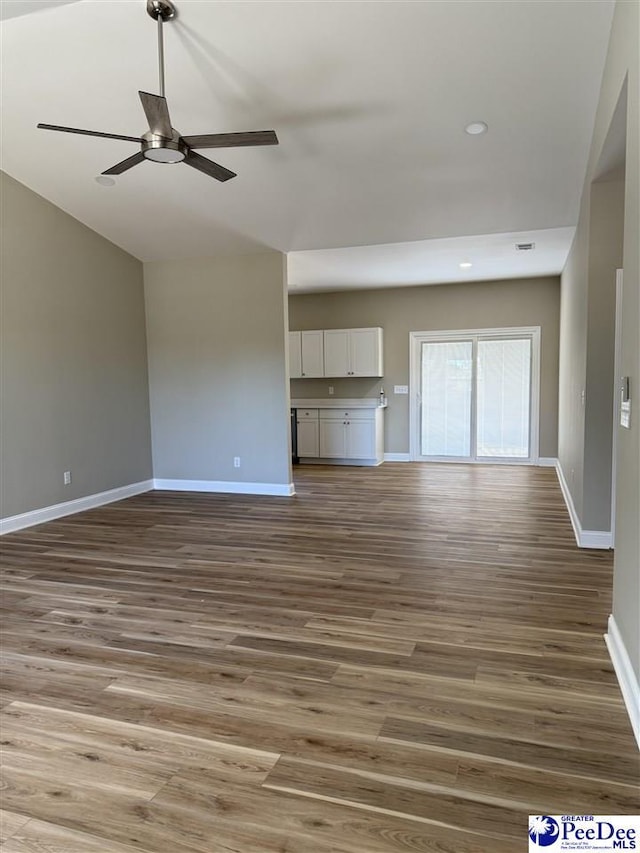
(503, 398)
(446, 379)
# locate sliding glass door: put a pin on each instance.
(446, 381)
(503, 395)
(474, 395)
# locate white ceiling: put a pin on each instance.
(492, 256)
(369, 100)
(14, 8)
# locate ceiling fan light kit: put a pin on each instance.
(163, 150)
(162, 143)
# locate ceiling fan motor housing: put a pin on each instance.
(162, 150)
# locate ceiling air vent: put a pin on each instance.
(525, 247)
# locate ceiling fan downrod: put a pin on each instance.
(161, 11)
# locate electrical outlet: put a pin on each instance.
(236, 461)
(330, 390)
(67, 478)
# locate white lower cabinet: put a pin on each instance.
(333, 439)
(347, 437)
(308, 443)
(341, 434)
(361, 439)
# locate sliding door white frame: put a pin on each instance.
(416, 339)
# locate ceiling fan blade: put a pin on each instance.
(232, 140)
(88, 132)
(157, 113)
(214, 170)
(129, 163)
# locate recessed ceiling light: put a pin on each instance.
(465, 265)
(476, 128)
(105, 181)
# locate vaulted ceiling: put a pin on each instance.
(369, 101)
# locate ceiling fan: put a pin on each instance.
(162, 143)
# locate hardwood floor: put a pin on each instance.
(403, 658)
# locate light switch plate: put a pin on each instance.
(625, 414)
(400, 389)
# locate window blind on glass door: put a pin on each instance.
(447, 370)
(503, 398)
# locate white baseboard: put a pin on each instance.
(397, 457)
(600, 539)
(585, 538)
(351, 463)
(49, 513)
(629, 684)
(542, 462)
(229, 487)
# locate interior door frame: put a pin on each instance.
(416, 339)
(617, 356)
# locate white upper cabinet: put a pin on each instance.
(365, 350)
(306, 354)
(312, 349)
(336, 352)
(353, 352)
(295, 355)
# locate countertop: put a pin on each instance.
(338, 403)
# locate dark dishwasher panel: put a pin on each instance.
(295, 459)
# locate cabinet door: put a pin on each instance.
(333, 439)
(312, 349)
(308, 444)
(365, 352)
(336, 352)
(295, 356)
(361, 439)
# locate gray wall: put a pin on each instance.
(217, 368)
(622, 64)
(73, 358)
(605, 257)
(473, 305)
(587, 353)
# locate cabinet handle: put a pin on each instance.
(303, 373)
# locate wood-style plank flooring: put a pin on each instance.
(403, 658)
